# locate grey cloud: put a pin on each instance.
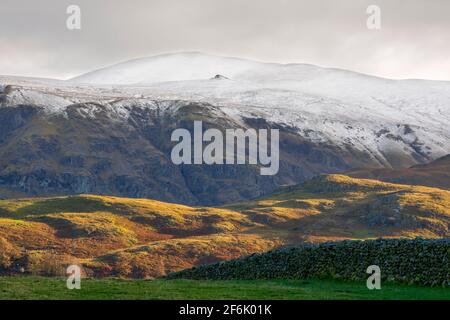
(413, 43)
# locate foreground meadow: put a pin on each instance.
(25, 288)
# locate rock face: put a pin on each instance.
(85, 150)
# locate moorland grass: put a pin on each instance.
(55, 288)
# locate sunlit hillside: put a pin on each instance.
(433, 174)
(144, 238)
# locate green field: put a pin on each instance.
(55, 288)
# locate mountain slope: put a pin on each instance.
(147, 238)
(66, 137)
(123, 148)
(167, 67)
(380, 116)
(434, 174)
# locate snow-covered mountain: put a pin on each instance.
(365, 120)
(169, 67)
(325, 105)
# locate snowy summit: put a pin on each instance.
(404, 120)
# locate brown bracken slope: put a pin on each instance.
(434, 174)
(140, 238)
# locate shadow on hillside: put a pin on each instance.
(66, 204)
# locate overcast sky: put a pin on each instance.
(413, 42)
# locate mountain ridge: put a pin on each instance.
(90, 76)
(329, 121)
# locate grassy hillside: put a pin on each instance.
(19, 288)
(140, 238)
(434, 174)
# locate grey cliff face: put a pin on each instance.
(72, 153)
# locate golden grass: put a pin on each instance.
(158, 258)
(147, 238)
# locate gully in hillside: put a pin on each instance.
(236, 153)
